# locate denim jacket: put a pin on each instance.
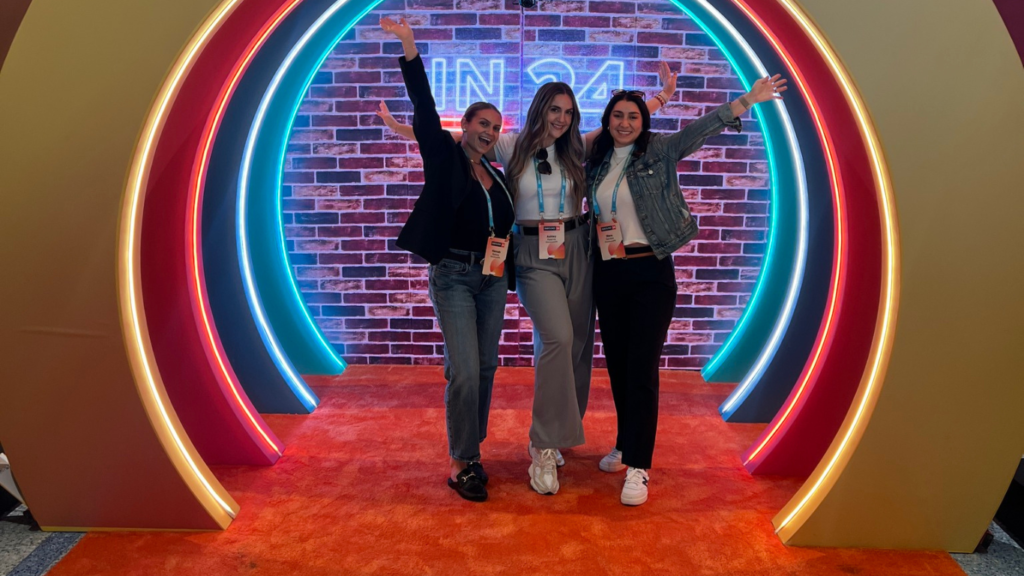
(654, 181)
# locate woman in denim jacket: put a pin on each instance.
(641, 218)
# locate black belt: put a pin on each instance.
(470, 258)
(639, 251)
(570, 224)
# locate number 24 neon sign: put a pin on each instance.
(470, 85)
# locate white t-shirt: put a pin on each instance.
(629, 222)
(527, 207)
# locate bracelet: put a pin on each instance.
(744, 102)
(661, 98)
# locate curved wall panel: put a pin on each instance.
(802, 430)
(262, 229)
(766, 385)
(90, 428)
(923, 461)
(270, 379)
(202, 385)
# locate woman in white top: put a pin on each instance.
(554, 265)
(641, 218)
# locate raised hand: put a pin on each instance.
(767, 88)
(400, 29)
(668, 80)
(386, 116)
(397, 127)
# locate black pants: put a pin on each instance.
(635, 300)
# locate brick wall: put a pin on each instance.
(350, 183)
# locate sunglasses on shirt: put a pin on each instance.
(543, 166)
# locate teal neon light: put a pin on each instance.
(759, 330)
(774, 256)
(300, 336)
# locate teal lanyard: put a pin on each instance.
(540, 191)
(487, 195)
(615, 192)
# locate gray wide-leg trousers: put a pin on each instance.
(558, 296)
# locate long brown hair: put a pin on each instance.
(569, 146)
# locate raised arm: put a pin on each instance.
(403, 32)
(690, 139)
(668, 88)
(426, 123)
(405, 130)
(764, 89)
(397, 127)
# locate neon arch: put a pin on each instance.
(797, 522)
(322, 19)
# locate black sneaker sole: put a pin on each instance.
(466, 495)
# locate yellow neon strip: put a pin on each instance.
(881, 347)
(130, 280)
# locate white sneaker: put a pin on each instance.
(543, 470)
(612, 462)
(634, 491)
(559, 461)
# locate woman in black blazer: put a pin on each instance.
(461, 225)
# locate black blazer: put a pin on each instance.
(447, 177)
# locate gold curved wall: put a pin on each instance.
(11, 13)
(87, 441)
(943, 84)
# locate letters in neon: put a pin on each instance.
(454, 93)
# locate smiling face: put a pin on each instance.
(559, 116)
(625, 123)
(480, 133)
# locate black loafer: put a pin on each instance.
(478, 469)
(469, 486)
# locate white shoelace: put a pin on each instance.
(547, 459)
(635, 477)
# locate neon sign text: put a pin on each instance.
(455, 92)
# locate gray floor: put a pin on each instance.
(1004, 558)
(27, 553)
(24, 552)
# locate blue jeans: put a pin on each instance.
(470, 309)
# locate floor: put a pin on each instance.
(353, 495)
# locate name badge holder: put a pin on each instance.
(609, 234)
(497, 248)
(551, 235)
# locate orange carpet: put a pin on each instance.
(361, 490)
